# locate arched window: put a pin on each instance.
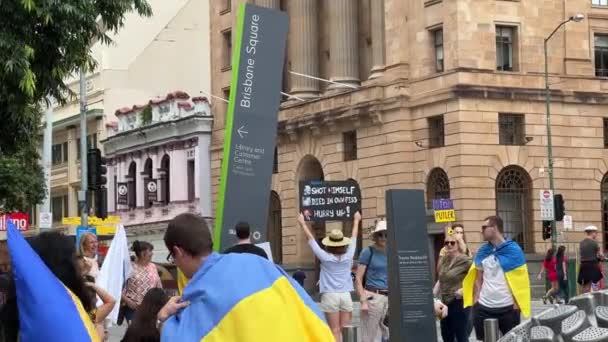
(132, 187)
(275, 234)
(437, 186)
(147, 175)
(165, 179)
(604, 191)
(513, 205)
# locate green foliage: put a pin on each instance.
(42, 43)
(146, 115)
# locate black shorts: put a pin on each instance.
(589, 272)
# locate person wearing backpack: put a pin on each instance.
(372, 286)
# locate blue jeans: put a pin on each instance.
(455, 326)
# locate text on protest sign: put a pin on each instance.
(329, 200)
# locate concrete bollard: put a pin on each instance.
(490, 330)
(349, 333)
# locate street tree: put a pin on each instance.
(42, 43)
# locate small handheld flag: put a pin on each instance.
(48, 311)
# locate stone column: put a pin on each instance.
(304, 47)
(276, 4)
(378, 52)
(344, 50)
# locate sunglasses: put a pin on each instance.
(380, 235)
(450, 243)
(170, 257)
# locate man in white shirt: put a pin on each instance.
(493, 296)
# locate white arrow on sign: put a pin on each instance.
(242, 132)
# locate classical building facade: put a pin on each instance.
(159, 165)
(147, 59)
(442, 96)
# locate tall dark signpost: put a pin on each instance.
(251, 122)
(409, 270)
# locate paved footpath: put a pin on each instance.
(116, 333)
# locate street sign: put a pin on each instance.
(45, 220)
(547, 209)
(151, 186)
(567, 221)
(444, 210)
(251, 122)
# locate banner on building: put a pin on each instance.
(152, 190)
(329, 200)
(251, 122)
(122, 189)
(20, 220)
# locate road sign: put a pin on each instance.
(547, 209)
(45, 220)
(567, 221)
(251, 122)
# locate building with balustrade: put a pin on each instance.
(159, 164)
(442, 96)
(146, 60)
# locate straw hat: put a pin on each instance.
(335, 238)
(380, 227)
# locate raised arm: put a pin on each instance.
(305, 227)
(108, 303)
(356, 222)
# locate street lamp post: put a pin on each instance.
(577, 18)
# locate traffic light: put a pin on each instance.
(101, 203)
(559, 209)
(546, 230)
(96, 169)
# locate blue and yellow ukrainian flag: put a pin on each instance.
(245, 298)
(48, 311)
(513, 263)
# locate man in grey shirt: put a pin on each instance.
(590, 270)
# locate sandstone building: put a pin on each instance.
(448, 97)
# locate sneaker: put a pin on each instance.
(544, 299)
(551, 299)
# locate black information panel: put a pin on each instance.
(410, 283)
(329, 200)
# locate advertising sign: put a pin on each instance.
(251, 122)
(20, 220)
(329, 200)
(547, 208)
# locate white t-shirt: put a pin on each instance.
(495, 291)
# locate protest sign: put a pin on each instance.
(329, 200)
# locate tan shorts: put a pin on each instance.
(336, 302)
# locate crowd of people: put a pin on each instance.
(471, 286)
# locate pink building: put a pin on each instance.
(159, 164)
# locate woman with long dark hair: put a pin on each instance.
(143, 327)
(549, 267)
(562, 272)
(58, 253)
(143, 278)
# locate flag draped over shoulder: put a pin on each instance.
(48, 311)
(242, 297)
(182, 281)
(116, 269)
(513, 263)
